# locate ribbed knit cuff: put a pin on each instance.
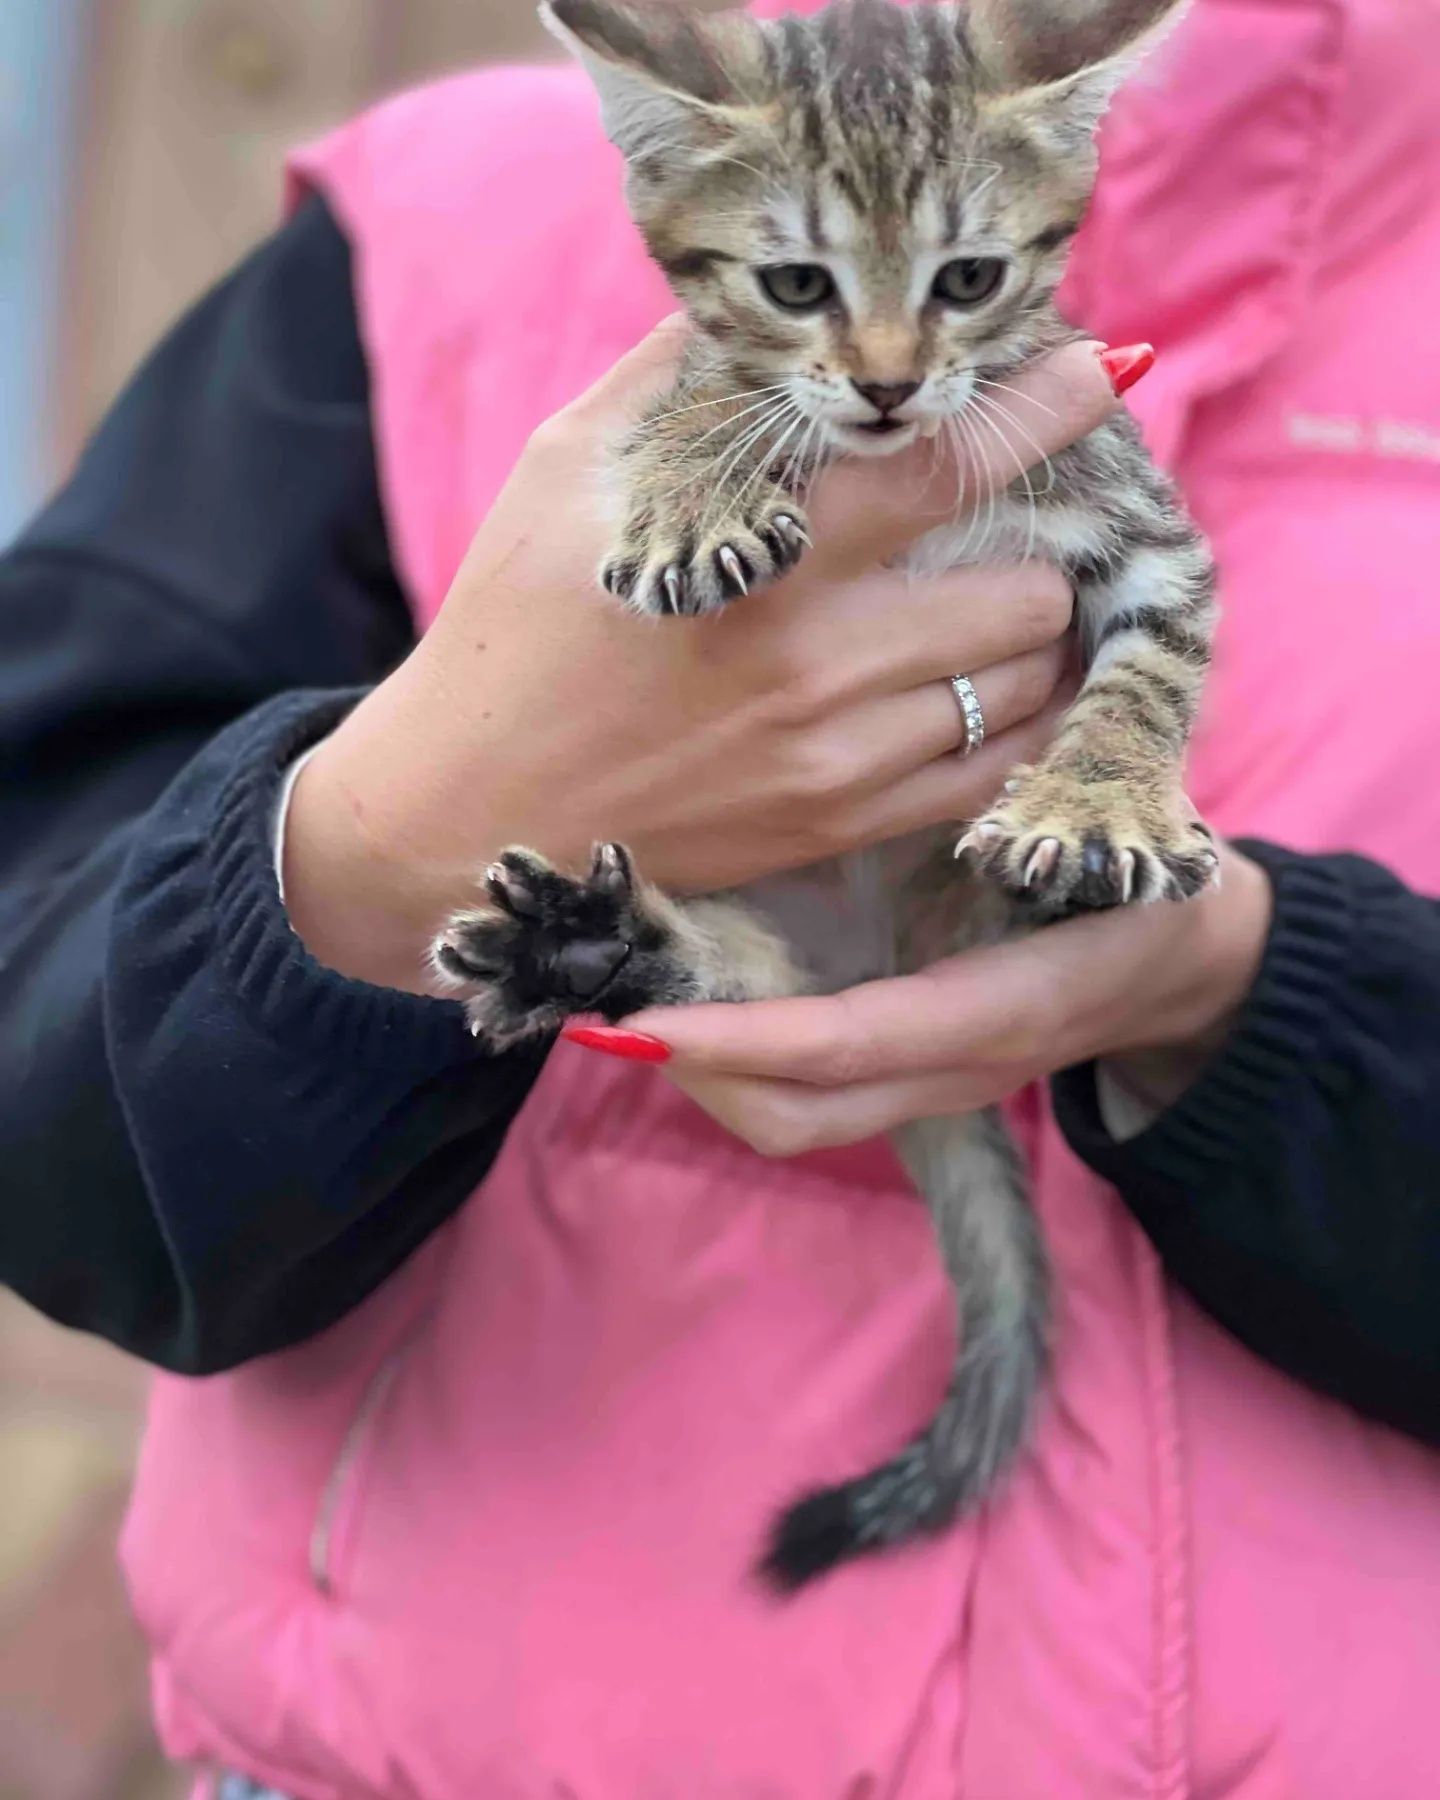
(1280, 1033)
(278, 981)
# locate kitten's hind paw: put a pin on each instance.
(670, 567)
(546, 947)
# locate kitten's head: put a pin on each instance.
(870, 206)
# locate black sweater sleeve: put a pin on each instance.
(1295, 1189)
(211, 1147)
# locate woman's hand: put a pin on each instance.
(808, 719)
(1153, 986)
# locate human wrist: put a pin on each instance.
(1202, 977)
(361, 902)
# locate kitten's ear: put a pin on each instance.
(1059, 62)
(665, 76)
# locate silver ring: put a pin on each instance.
(969, 703)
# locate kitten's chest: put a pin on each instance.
(1015, 525)
(874, 913)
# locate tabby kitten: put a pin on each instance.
(866, 214)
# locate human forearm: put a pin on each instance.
(1286, 1187)
(213, 1147)
(166, 1182)
(1192, 1014)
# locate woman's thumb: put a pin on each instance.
(641, 375)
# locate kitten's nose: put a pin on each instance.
(886, 395)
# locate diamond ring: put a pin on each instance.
(969, 703)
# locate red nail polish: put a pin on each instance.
(634, 1046)
(1126, 365)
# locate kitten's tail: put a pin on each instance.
(993, 1251)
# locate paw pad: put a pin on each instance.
(546, 946)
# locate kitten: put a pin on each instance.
(866, 214)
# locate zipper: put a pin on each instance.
(339, 1482)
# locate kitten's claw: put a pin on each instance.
(733, 568)
(611, 872)
(977, 839)
(510, 887)
(669, 564)
(1209, 855)
(1041, 865)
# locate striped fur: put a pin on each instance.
(879, 144)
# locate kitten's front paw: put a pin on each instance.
(546, 946)
(671, 564)
(1067, 845)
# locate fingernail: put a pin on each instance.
(634, 1046)
(1126, 365)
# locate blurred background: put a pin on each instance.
(140, 151)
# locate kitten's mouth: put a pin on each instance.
(875, 436)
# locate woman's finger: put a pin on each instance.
(972, 619)
(1108, 981)
(789, 1118)
(952, 788)
(621, 394)
(997, 1002)
(889, 631)
(866, 511)
(896, 734)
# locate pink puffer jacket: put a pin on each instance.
(488, 1538)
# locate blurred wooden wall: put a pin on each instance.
(187, 109)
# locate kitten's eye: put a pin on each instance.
(969, 280)
(798, 287)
